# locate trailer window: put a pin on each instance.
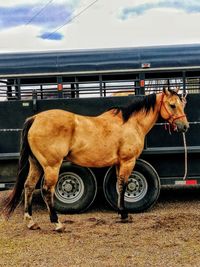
(193, 85)
(3, 89)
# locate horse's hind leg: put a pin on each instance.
(125, 169)
(50, 180)
(35, 172)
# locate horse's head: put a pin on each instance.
(172, 110)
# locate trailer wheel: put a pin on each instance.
(142, 190)
(75, 190)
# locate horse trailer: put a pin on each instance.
(89, 82)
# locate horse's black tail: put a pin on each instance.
(14, 198)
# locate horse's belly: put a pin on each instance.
(93, 158)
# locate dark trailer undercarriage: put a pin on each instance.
(88, 82)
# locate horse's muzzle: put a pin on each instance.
(182, 127)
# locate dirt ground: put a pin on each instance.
(167, 235)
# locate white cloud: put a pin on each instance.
(100, 26)
(21, 39)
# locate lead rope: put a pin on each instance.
(184, 142)
(186, 162)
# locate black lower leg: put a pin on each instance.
(121, 206)
(53, 215)
(28, 200)
(28, 209)
(49, 202)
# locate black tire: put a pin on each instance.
(75, 190)
(142, 191)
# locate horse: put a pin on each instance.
(115, 137)
(124, 93)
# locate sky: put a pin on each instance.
(43, 25)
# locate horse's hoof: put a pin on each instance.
(60, 229)
(127, 219)
(34, 226)
(124, 216)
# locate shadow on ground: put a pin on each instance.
(167, 195)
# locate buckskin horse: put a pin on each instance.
(116, 137)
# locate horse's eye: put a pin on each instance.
(172, 106)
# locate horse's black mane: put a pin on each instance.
(140, 102)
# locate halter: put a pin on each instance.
(171, 118)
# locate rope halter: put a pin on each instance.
(172, 118)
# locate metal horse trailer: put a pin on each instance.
(89, 82)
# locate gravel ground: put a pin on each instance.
(167, 235)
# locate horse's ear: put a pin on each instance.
(166, 91)
(177, 89)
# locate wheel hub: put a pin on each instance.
(69, 188)
(132, 186)
(136, 187)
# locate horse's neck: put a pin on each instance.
(145, 121)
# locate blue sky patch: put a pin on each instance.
(56, 36)
(48, 19)
(192, 6)
(53, 16)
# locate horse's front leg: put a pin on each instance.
(125, 169)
